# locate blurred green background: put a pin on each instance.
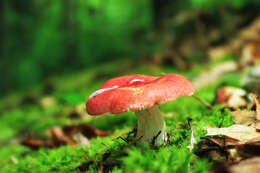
(42, 38)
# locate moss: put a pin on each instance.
(173, 157)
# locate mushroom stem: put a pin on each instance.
(151, 126)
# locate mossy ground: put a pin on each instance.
(20, 117)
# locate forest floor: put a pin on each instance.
(47, 128)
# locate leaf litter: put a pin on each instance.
(66, 135)
(237, 146)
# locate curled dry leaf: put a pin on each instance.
(67, 135)
(238, 132)
(35, 144)
(211, 76)
(86, 130)
(59, 138)
(231, 97)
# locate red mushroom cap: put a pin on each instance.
(137, 92)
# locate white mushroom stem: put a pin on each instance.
(151, 126)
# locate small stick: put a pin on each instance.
(192, 138)
(155, 137)
(132, 132)
(120, 137)
(209, 106)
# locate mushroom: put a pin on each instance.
(140, 93)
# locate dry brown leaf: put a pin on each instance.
(67, 135)
(241, 133)
(86, 130)
(35, 144)
(60, 138)
(231, 97)
(244, 117)
(247, 166)
(222, 141)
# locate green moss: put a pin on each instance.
(64, 159)
(173, 157)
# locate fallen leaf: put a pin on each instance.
(222, 141)
(241, 133)
(67, 135)
(86, 130)
(243, 117)
(35, 144)
(231, 97)
(60, 138)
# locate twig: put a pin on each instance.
(134, 131)
(209, 106)
(120, 137)
(192, 138)
(155, 137)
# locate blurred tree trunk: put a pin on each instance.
(159, 10)
(68, 30)
(4, 44)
